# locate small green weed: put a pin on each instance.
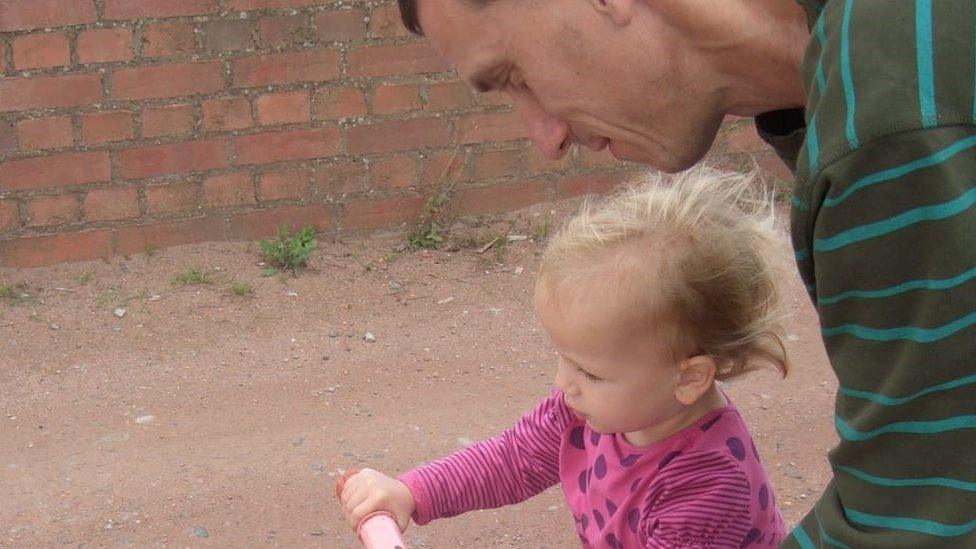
(86, 277)
(541, 231)
(151, 250)
(289, 251)
(193, 275)
(6, 291)
(241, 289)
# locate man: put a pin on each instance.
(872, 104)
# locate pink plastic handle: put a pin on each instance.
(377, 530)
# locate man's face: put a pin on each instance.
(577, 73)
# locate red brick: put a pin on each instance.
(590, 184)
(45, 133)
(339, 103)
(60, 248)
(396, 98)
(106, 127)
(247, 5)
(283, 108)
(228, 190)
(482, 128)
(381, 213)
(283, 184)
(539, 163)
(167, 80)
(105, 45)
(447, 96)
(230, 35)
(494, 99)
(338, 25)
(491, 164)
(138, 9)
(110, 204)
(41, 50)
(386, 60)
(265, 148)
(391, 173)
(284, 30)
(53, 210)
(20, 94)
(168, 39)
(445, 167)
(399, 136)
(9, 217)
(177, 158)
(171, 197)
(169, 120)
(265, 223)
(284, 68)
(77, 168)
(133, 239)
(8, 137)
(232, 113)
(340, 178)
(36, 14)
(501, 198)
(384, 22)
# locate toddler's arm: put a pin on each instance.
(507, 469)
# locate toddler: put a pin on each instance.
(649, 299)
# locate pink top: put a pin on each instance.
(703, 486)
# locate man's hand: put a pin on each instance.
(368, 491)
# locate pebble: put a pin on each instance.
(395, 286)
(145, 420)
(155, 297)
(369, 337)
(201, 532)
(120, 312)
(333, 335)
(291, 294)
(55, 327)
(518, 270)
(445, 300)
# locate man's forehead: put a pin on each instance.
(464, 35)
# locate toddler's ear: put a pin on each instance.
(620, 11)
(696, 375)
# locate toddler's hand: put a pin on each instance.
(369, 491)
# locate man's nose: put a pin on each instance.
(548, 133)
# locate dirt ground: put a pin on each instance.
(202, 418)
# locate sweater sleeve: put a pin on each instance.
(510, 468)
(700, 500)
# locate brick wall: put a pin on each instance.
(126, 124)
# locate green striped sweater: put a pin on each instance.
(884, 231)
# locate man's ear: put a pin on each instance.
(696, 375)
(620, 11)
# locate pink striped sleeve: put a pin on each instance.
(700, 499)
(507, 469)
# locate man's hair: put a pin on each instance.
(695, 256)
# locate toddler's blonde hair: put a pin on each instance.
(695, 256)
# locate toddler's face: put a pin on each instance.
(618, 382)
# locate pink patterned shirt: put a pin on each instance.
(703, 486)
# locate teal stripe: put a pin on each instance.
(922, 526)
(910, 333)
(831, 540)
(800, 255)
(906, 482)
(800, 204)
(904, 169)
(897, 401)
(802, 538)
(822, 38)
(810, 288)
(898, 222)
(845, 73)
(905, 427)
(813, 147)
(925, 284)
(923, 53)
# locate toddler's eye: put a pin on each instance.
(588, 375)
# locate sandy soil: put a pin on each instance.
(202, 418)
